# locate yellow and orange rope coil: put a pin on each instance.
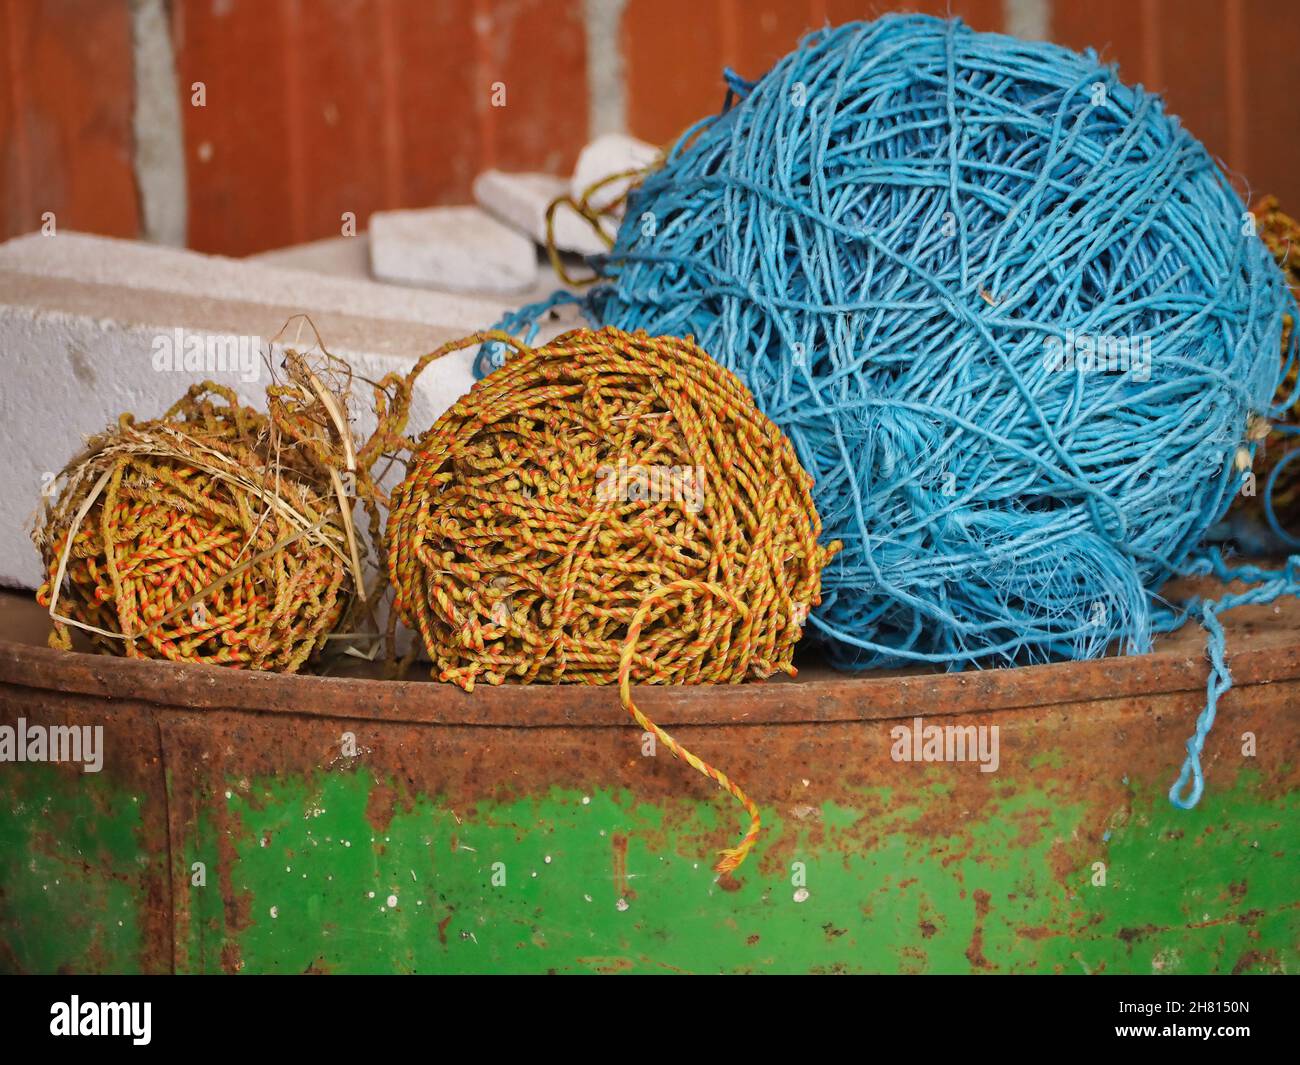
(215, 534)
(610, 507)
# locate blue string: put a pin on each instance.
(1271, 584)
(888, 237)
(1270, 515)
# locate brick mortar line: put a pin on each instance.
(606, 73)
(159, 156)
(1030, 20)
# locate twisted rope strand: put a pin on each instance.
(729, 859)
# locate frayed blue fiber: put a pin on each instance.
(1011, 314)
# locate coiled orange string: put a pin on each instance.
(608, 507)
(216, 533)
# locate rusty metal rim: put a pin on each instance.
(840, 697)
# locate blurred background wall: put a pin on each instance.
(234, 126)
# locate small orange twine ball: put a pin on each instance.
(203, 536)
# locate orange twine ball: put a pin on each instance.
(610, 507)
(203, 536)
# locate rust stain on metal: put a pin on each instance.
(1263, 648)
(975, 952)
(609, 966)
(205, 749)
(237, 905)
(381, 805)
(622, 888)
(1253, 959)
(1129, 936)
(230, 959)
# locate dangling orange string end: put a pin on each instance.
(731, 857)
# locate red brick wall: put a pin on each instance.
(666, 93)
(1226, 67)
(320, 107)
(66, 99)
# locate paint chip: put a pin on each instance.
(801, 895)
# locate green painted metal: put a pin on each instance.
(72, 865)
(523, 829)
(603, 882)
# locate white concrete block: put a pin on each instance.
(333, 256)
(612, 153)
(82, 321)
(456, 249)
(105, 260)
(521, 200)
(350, 257)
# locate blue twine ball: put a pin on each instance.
(1010, 312)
